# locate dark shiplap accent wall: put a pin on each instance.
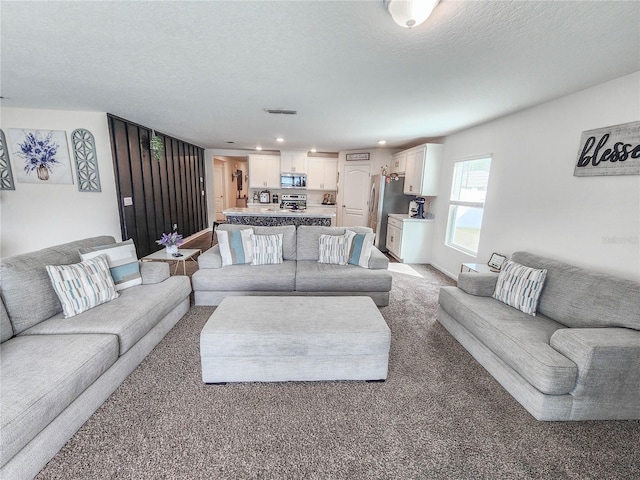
(164, 192)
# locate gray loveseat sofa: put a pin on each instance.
(577, 359)
(56, 372)
(299, 274)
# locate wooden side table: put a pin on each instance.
(163, 256)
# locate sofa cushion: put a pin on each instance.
(123, 262)
(267, 249)
(312, 276)
(41, 375)
(26, 287)
(235, 246)
(519, 286)
(289, 240)
(82, 286)
(309, 239)
(6, 330)
(136, 311)
(260, 278)
(578, 297)
(520, 340)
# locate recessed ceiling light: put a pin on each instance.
(258, 148)
(280, 139)
(313, 150)
(229, 141)
(381, 142)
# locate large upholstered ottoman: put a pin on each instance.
(278, 339)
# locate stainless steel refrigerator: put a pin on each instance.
(385, 197)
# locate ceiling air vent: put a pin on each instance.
(280, 111)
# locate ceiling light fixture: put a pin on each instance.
(279, 139)
(258, 148)
(381, 142)
(410, 13)
(313, 150)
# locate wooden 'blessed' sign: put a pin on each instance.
(611, 150)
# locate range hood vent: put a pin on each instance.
(280, 111)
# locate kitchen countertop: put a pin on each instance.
(405, 217)
(270, 210)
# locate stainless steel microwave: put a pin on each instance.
(293, 180)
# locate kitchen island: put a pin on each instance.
(272, 215)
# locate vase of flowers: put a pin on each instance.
(171, 242)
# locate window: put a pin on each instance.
(468, 193)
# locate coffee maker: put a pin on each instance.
(416, 207)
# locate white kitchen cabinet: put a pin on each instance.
(398, 162)
(409, 239)
(322, 173)
(264, 171)
(423, 170)
(293, 162)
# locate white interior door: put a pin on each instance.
(218, 191)
(355, 195)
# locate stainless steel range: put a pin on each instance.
(294, 201)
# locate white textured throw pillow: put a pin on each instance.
(83, 285)
(267, 249)
(361, 247)
(519, 286)
(335, 248)
(123, 262)
(235, 246)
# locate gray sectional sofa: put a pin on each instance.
(577, 359)
(56, 372)
(299, 274)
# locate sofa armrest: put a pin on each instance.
(608, 361)
(378, 260)
(211, 258)
(479, 284)
(154, 272)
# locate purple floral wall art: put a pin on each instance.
(41, 156)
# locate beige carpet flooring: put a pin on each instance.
(439, 415)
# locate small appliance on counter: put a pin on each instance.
(256, 197)
(328, 199)
(416, 207)
(265, 196)
(294, 201)
(274, 198)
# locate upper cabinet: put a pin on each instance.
(264, 171)
(422, 170)
(293, 162)
(322, 173)
(398, 162)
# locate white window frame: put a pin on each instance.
(451, 224)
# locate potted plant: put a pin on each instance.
(156, 145)
(171, 242)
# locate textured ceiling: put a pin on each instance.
(205, 71)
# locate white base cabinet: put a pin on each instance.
(409, 239)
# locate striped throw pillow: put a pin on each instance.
(519, 286)
(83, 285)
(123, 262)
(335, 248)
(235, 246)
(267, 249)
(361, 247)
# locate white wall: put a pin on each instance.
(534, 202)
(35, 216)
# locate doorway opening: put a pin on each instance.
(230, 183)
